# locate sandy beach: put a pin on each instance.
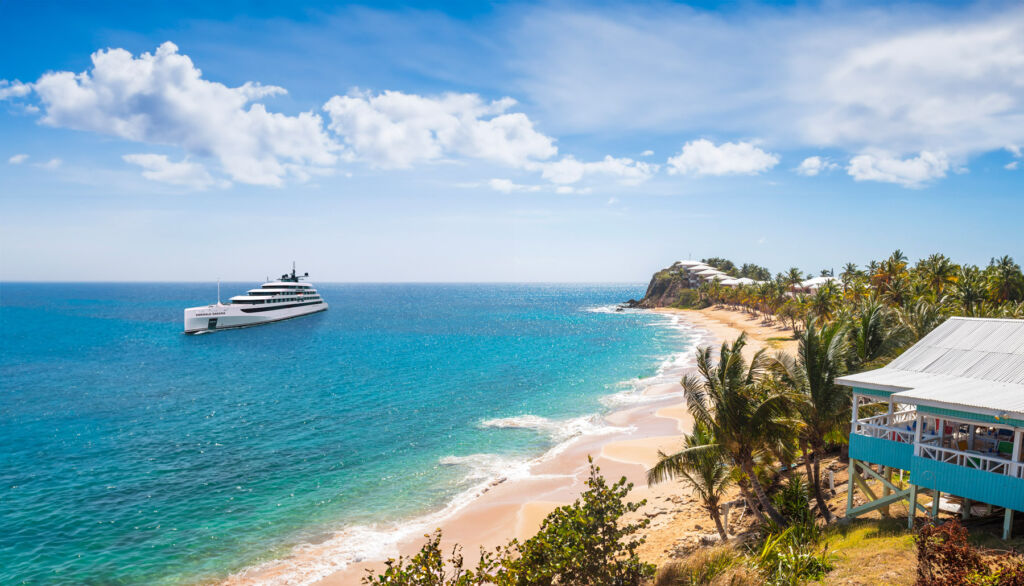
(515, 507)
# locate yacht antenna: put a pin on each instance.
(218, 291)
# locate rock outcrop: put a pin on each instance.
(664, 290)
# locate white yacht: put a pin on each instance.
(277, 300)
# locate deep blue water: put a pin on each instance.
(132, 453)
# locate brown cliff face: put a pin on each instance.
(664, 289)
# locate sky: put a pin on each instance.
(508, 142)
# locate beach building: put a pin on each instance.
(950, 413)
(812, 285)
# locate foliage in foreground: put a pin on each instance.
(793, 555)
(585, 543)
(945, 558)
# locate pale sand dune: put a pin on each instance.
(516, 508)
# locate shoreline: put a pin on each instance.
(513, 506)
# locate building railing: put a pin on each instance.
(970, 460)
(892, 427)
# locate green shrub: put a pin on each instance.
(785, 558)
(691, 299)
(585, 543)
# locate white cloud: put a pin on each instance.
(647, 153)
(1012, 165)
(395, 129)
(13, 89)
(812, 166)
(702, 157)
(568, 170)
(904, 78)
(1014, 150)
(51, 164)
(507, 186)
(162, 98)
(911, 172)
(17, 159)
(954, 88)
(567, 189)
(184, 173)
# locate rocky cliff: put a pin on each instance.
(664, 290)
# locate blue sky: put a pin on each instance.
(505, 142)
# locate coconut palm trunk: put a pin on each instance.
(762, 497)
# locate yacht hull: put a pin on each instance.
(212, 318)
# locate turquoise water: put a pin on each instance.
(132, 453)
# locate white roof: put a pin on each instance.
(690, 263)
(709, 271)
(731, 282)
(746, 281)
(816, 282)
(970, 364)
(721, 277)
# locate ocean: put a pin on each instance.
(133, 454)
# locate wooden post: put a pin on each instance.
(851, 470)
(918, 423)
(970, 439)
(936, 497)
(1018, 447)
(887, 474)
(853, 418)
(1007, 524)
(965, 508)
(912, 507)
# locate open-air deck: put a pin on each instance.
(950, 412)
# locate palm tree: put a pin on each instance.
(823, 405)
(920, 318)
(702, 465)
(730, 399)
(793, 277)
(849, 275)
(823, 301)
(969, 290)
(938, 272)
(872, 334)
(1005, 281)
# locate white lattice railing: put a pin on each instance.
(970, 460)
(885, 426)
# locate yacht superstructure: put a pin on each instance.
(284, 298)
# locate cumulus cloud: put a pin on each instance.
(568, 170)
(647, 153)
(395, 129)
(910, 172)
(834, 75)
(955, 88)
(13, 89)
(812, 166)
(507, 186)
(1012, 165)
(183, 173)
(162, 98)
(17, 159)
(51, 164)
(703, 157)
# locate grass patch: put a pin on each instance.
(872, 551)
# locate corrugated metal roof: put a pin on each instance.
(965, 362)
